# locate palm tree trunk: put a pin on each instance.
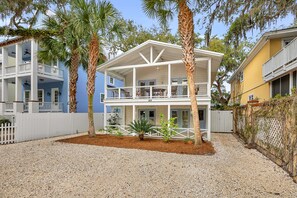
(73, 80)
(186, 31)
(93, 60)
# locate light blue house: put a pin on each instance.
(29, 85)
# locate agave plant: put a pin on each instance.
(141, 127)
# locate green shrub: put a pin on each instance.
(167, 128)
(4, 121)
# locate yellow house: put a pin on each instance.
(269, 69)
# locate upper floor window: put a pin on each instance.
(240, 76)
(102, 96)
(251, 97)
(287, 41)
(111, 80)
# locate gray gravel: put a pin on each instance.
(49, 169)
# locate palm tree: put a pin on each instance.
(163, 10)
(141, 127)
(94, 19)
(66, 46)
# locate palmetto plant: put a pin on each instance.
(141, 127)
(66, 46)
(95, 20)
(164, 11)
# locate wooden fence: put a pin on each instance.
(271, 128)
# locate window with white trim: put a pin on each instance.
(40, 96)
(251, 97)
(240, 76)
(27, 96)
(102, 96)
(111, 80)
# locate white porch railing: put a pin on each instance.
(285, 56)
(47, 107)
(120, 93)
(42, 69)
(180, 133)
(156, 91)
(24, 68)
(10, 70)
(9, 106)
(51, 71)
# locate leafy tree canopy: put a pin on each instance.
(233, 57)
(24, 13)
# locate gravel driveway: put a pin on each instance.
(49, 169)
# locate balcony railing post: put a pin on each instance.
(119, 93)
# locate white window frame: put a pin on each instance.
(251, 97)
(102, 94)
(42, 102)
(240, 76)
(25, 95)
(286, 40)
(111, 83)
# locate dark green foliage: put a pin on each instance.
(4, 121)
(140, 127)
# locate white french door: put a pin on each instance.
(55, 98)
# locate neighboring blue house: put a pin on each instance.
(82, 95)
(28, 85)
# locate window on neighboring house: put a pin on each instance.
(40, 97)
(287, 41)
(111, 80)
(27, 95)
(240, 76)
(251, 97)
(102, 96)
(281, 86)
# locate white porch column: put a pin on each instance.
(168, 112)
(209, 78)
(134, 82)
(4, 82)
(133, 112)
(105, 84)
(104, 117)
(208, 122)
(291, 83)
(18, 103)
(33, 103)
(169, 81)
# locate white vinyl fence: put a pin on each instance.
(221, 121)
(7, 133)
(44, 125)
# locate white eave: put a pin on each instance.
(120, 60)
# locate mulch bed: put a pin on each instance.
(174, 146)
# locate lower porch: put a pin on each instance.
(182, 113)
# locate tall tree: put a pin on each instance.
(243, 16)
(233, 56)
(163, 10)
(66, 46)
(24, 13)
(95, 20)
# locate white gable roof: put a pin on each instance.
(172, 52)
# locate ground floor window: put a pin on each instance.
(148, 114)
(102, 97)
(40, 96)
(281, 86)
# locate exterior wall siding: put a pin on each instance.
(253, 83)
(82, 95)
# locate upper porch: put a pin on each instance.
(282, 62)
(154, 71)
